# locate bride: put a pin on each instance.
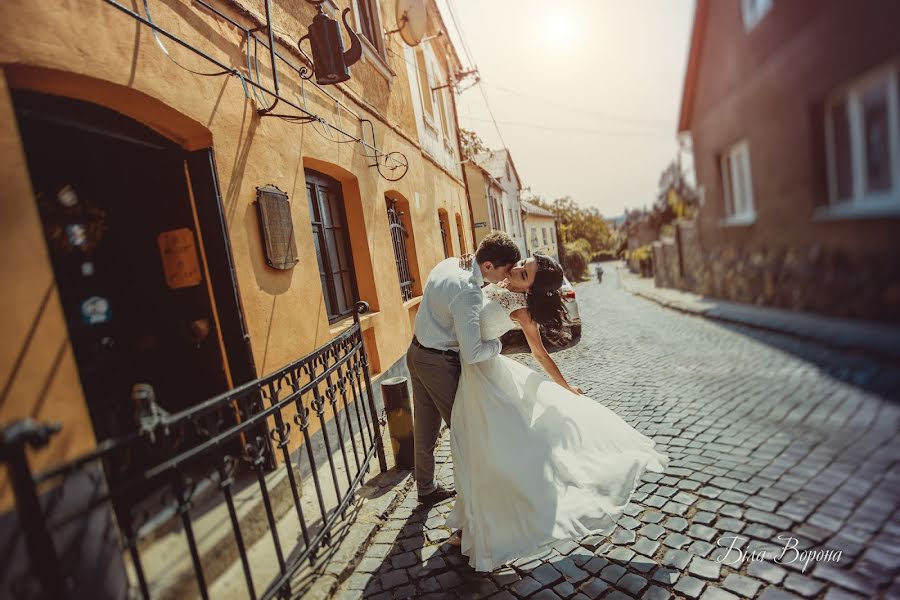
(535, 460)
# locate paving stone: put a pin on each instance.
(730, 510)
(593, 542)
(564, 589)
(676, 540)
(677, 559)
(773, 593)
(729, 524)
(703, 518)
(715, 593)
(706, 569)
(702, 532)
(503, 595)
(393, 579)
(655, 593)
(612, 573)
(623, 536)
(645, 546)
(545, 595)
(617, 595)
(766, 570)
(595, 565)
(802, 585)
(505, 577)
(546, 574)
(567, 547)
(700, 548)
(674, 508)
(772, 520)
(689, 586)
(594, 588)
(652, 516)
(741, 585)
(653, 532)
(678, 524)
(629, 522)
(631, 583)
(407, 559)
(525, 587)
(620, 554)
(709, 505)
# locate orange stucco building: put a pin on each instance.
(130, 176)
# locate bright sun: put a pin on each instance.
(559, 28)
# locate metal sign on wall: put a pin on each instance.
(277, 227)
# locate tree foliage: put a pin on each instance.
(578, 223)
(471, 143)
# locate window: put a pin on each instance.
(369, 22)
(862, 137)
(753, 11)
(534, 237)
(445, 233)
(459, 232)
(399, 236)
(424, 76)
(544, 235)
(512, 222)
(737, 184)
(332, 243)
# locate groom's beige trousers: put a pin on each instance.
(434, 378)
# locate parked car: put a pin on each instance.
(567, 290)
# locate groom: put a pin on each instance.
(447, 329)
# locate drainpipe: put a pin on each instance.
(462, 166)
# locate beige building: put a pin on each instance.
(505, 211)
(540, 230)
(132, 166)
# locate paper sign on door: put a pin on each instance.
(179, 258)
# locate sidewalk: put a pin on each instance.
(876, 339)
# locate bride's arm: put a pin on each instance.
(533, 335)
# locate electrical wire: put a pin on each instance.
(583, 130)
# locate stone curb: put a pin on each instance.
(880, 341)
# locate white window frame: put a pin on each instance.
(422, 51)
(753, 11)
(863, 204)
(737, 185)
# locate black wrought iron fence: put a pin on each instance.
(88, 511)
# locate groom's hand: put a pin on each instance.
(466, 260)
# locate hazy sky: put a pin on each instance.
(586, 92)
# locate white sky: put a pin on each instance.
(586, 92)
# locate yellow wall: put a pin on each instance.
(479, 183)
(539, 222)
(89, 50)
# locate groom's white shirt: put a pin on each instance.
(449, 316)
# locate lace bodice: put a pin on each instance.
(498, 304)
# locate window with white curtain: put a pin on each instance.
(753, 11)
(862, 139)
(737, 183)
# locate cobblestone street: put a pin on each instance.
(773, 442)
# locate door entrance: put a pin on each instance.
(122, 231)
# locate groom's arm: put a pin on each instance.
(466, 311)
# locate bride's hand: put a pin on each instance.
(503, 284)
(576, 390)
(465, 261)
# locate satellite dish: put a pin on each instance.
(412, 20)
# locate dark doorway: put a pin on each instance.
(131, 267)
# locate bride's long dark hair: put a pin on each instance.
(545, 302)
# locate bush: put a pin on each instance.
(603, 255)
(578, 255)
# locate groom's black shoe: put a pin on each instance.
(439, 494)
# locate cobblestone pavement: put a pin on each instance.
(764, 445)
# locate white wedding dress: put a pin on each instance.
(533, 462)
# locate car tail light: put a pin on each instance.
(570, 295)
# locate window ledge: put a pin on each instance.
(738, 220)
(412, 302)
(366, 321)
(373, 56)
(841, 212)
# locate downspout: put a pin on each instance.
(462, 166)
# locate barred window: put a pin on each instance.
(399, 237)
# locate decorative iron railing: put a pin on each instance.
(323, 399)
(398, 238)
